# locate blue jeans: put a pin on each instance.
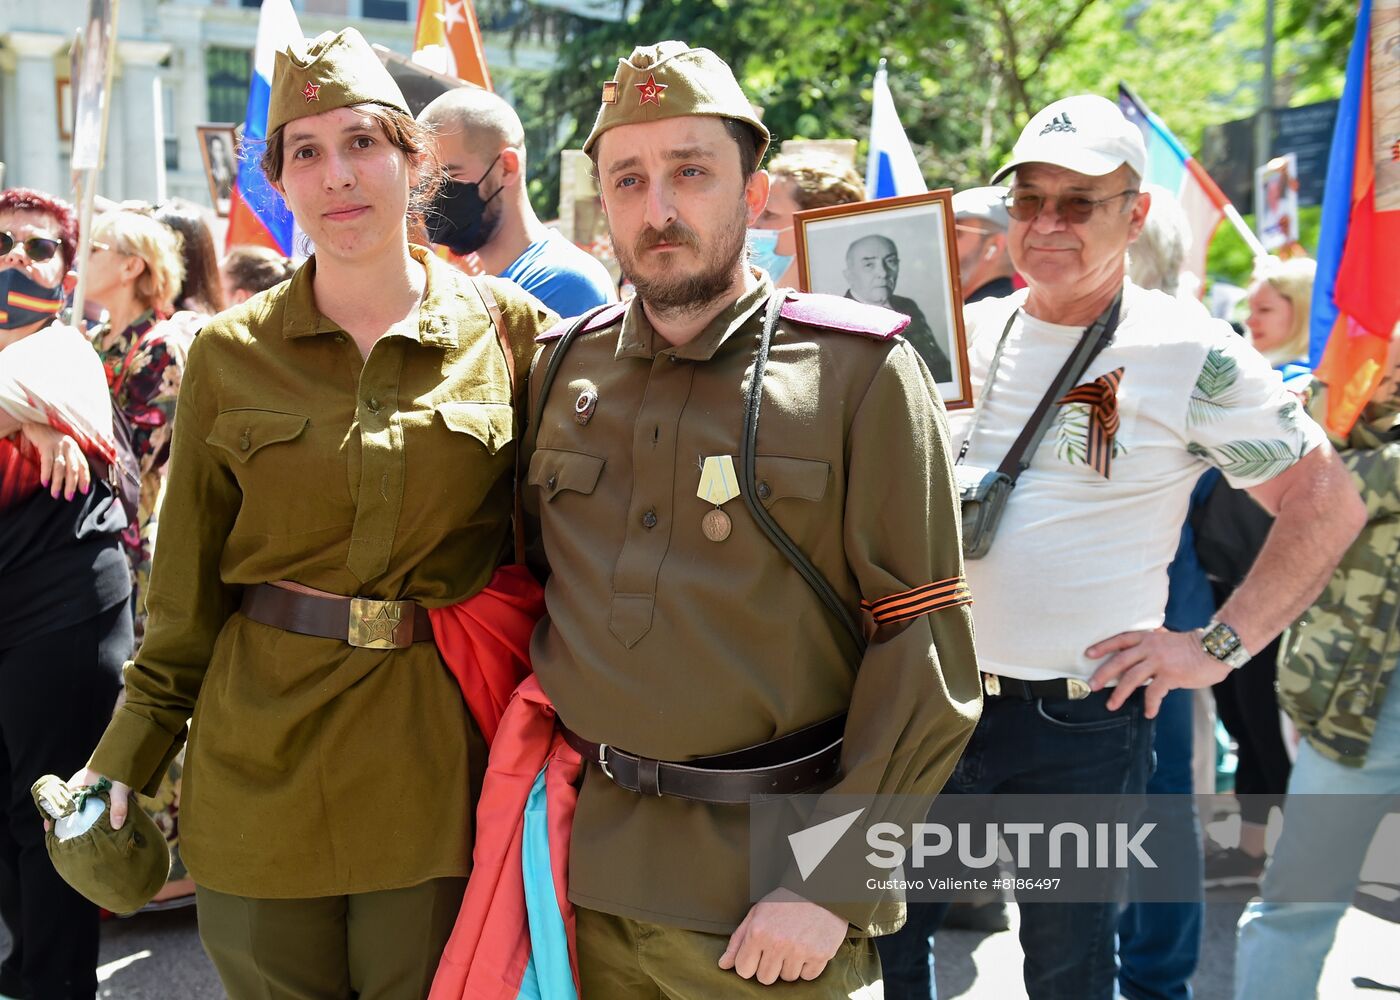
(1159, 944)
(1030, 748)
(1283, 945)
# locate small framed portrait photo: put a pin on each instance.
(899, 253)
(218, 146)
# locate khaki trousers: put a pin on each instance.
(623, 959)
(370, 945)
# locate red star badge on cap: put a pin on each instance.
(312, 92)
(651, 91)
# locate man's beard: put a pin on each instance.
(683, 293)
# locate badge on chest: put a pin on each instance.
(585, 401)
(718, 485)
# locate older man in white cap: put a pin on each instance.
(1128, 396)
(984, 260)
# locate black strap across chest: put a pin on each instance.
(748, 480)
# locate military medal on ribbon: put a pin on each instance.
(718, 485)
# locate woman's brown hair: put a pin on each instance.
(201, 290)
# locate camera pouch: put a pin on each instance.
(983, 493)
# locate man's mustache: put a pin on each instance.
(677, 233)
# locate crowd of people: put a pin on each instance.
(331, 515)
(82, 480)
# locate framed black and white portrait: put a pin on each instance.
(899, 253)
(218, 145)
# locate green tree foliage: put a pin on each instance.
(965, 74)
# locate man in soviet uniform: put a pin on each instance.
(677, 630)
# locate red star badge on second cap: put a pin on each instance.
(651, 91)
(312, 92)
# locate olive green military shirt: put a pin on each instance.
(666, 644)
(314, 767)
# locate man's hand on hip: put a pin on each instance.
(1158, 661)
(784, 937)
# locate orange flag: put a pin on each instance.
(1356, 299)
(448, 40)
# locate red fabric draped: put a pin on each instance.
(485, 642)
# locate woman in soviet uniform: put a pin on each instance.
(342, 461)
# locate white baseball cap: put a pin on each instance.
(985, 203)
(1086, 134)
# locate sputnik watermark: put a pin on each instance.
(837, 848)
(1069, 844)
(1114, 845)
(811, 846)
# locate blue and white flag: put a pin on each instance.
(891, 170)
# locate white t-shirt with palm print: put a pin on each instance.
(1078, 556)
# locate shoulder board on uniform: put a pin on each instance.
(605, 317)
(835, 312)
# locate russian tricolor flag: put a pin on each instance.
(1172, 167)
(257, 213)
(891, 170)
(1356, 295)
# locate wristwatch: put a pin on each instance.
(1223, 643)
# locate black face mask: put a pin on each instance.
(24, 302)
(458, 220)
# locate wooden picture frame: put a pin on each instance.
(1276, 202)
(218, 148)
(907, 261)
(63, 92)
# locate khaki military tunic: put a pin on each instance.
(666, 644)
(317, 768)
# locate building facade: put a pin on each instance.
(179, 64)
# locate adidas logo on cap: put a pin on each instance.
(1086, 134)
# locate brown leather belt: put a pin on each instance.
(359, 621)
(789, 765)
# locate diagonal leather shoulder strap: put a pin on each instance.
(748, 479)
(1095, 339)
(557, 358)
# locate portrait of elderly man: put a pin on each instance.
(872, 274)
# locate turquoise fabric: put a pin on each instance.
(549, 976)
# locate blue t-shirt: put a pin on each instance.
(562, 276)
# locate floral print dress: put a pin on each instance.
(144, 363)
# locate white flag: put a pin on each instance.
(892, 169)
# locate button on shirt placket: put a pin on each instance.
(649, 515)
(380, 494)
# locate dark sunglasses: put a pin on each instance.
(1026, 207)
(38, 248)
